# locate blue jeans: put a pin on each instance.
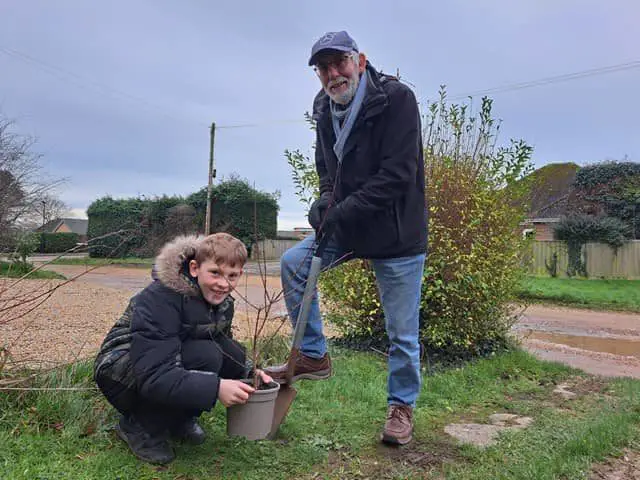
(399, 284)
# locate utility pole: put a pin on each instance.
(44, 212)
(212, 175)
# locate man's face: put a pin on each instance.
(339, 74)
(216, 281)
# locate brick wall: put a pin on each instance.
(544, 231)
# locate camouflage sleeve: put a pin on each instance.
(220, 324)
(228, 320)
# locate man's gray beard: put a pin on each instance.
(346, 97)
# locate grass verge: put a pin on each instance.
(332, 429)
(597, 294)
(9, 270)
(128, 262)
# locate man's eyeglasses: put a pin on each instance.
(339, 62)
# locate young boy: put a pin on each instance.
(170, 356)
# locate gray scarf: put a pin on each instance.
(341, 128)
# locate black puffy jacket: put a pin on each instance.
(381, 181)
(141, 352)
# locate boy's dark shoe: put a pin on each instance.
(147, 447)
(189, 431)
(398, 428)
(305, 368)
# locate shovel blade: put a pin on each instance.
(285, 398)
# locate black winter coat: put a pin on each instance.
(381, 181)
(141, 353)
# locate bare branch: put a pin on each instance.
(24, 186)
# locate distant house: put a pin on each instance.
(541, 223)
(297, 233)
(550, 190)
(67, 225)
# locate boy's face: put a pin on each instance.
(216, 281)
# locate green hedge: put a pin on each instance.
(609, 189)
(42, 242)
(239, 209)
(577, 230)
(57, 242)
(108, 216)
(136, 227)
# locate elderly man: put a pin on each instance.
(370, 164)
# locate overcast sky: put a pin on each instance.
(120, 93)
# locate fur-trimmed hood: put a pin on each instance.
(171, 265)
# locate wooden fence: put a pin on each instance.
(271, 249)
(601, 260)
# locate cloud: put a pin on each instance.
(77, 213)
(289, 220)
(121, 94)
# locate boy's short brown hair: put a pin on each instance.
(222, 248)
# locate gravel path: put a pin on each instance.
(73, 322)
(70, 324)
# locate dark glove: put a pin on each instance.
(331, 219)
(317, 210)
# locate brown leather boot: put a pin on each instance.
(305, 368)
(398, 428)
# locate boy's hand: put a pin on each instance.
(264, 377)
(233, 392)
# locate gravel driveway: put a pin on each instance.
(73, 322)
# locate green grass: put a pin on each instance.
(597, 294)
(561, 444)
(332, 429)
(9, 270)
(129, 261)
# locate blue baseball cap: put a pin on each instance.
(340, 41)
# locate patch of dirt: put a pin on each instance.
(626, 467)
(486, 434)
(560, 396)
(582, 386)
(421, 454)
(418, 459)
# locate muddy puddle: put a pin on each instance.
(614, 345)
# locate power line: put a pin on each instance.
(84, 82)
(505, 88)
(261, 124)
(550, 80)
